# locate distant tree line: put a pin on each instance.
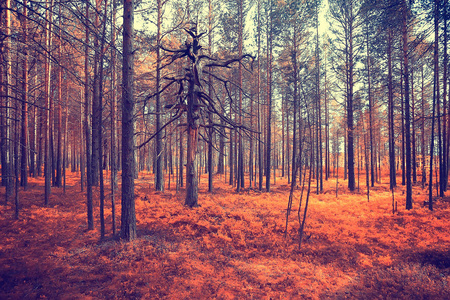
(247, 90)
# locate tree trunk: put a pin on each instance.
(439, 119)
(350, 147)
(413, 129)
(7, 177)
(327, 127)
(47, 122)
(40, 138)
(87, 128)
(288, 144)
(369, 95)
(33, 137)
(445, 118)
(128, 224)
(96, 115)
(181, 162)
(407, 110)
(58, 178)
(231, 153)
(24, 136)
(159, 177)
(16, 161)
(283, 131)
(402, 108)
(100, 123)
(366, 159)
(210, 94)
(240, 157)
(65, 145)
(392, 169)
(260, 164)
(295, 162)
(81, 145)
(319, 110)
(192, 141)
(3, 97)
(269, 98)
(113, 121)
(422, 141)
(435, 97)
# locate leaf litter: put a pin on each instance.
(231, 247)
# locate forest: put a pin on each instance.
(234, 149)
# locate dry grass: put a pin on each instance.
(232, 247)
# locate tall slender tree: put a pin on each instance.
(435, 98)
(159, 178)
(319, 106)
(24, 135)
(58, 156)
(6, 66)
(240, 162)
(210, 94)
(87, 128)
(405, 51)
(47, 121)
(347, 14)
(128, 224)
(113, 117)
(269, 58)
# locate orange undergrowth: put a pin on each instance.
(231, 247)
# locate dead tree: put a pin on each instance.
(195, 102)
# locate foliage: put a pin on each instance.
(232, 246)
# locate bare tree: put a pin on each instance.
(195, 102)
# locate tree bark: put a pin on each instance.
(369, 92)
(128, 224)
(413, 130)
(159, 177)
(210, 94)
(87, 128)
(240, 157)
(96, 115)
(422, 141)
(24, 136)
(7, 177)
(402, 109)
(435, 97)
(392, 172)
(191, 159)
(113, 120)
(350, 147)
(269, 97)
(260, 163)
(191, 199)
(319, 109)
(47, 122)
(407, 109)
(16, 162)
(445, 117)
(100, 123)
(58, 178)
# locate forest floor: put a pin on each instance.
(231, 247)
